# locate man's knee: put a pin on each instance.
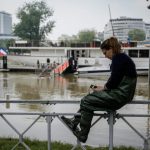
(84, 101)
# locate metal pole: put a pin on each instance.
(7, 99)
(149, 76)
(48, 119)
(111, 123)
(146, 145)
(147, 142)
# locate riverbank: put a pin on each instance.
(8, 143)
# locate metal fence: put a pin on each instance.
(111, 116)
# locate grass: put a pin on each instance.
(9, 143)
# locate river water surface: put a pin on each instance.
(28, 86)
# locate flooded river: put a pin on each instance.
(28, 86)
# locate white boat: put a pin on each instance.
(93, 70)
(97, 71)
(28, 56)
(90, 60)
(140, 56)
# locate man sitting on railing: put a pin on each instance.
(118, 90)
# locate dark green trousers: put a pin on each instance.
(106, 100)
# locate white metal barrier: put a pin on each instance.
(111, 116)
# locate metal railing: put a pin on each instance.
(111, 117)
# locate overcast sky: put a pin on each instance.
(71, 16)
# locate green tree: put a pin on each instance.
(6, 43)
(86, 35)
(137, 35)
(83, 36)
(66, 40)
(34, 22)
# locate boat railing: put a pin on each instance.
(111, 116)
(45, 71)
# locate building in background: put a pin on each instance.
(121, 26)
(147, 31)
(6, 26)
(5, 23)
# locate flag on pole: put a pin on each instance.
(3, 52)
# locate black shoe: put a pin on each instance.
(70, 123)
(81, 138)
(75, 130)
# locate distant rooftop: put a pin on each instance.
(4, 12)
(126, 18)
(7, 36)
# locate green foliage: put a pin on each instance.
(87, 35)
(8, 143)
(83, 36)
(34, 22)
(6, 43)
(137, 35)
(66, 40)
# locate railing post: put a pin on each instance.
(49, 119)
(7, 99)
(111, 125)
(147, 144)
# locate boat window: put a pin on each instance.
(144, 53)
(19, 52)
(133, 53)
(77, 53)
(83, 53)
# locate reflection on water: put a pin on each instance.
(29, 86)
(26, 86)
